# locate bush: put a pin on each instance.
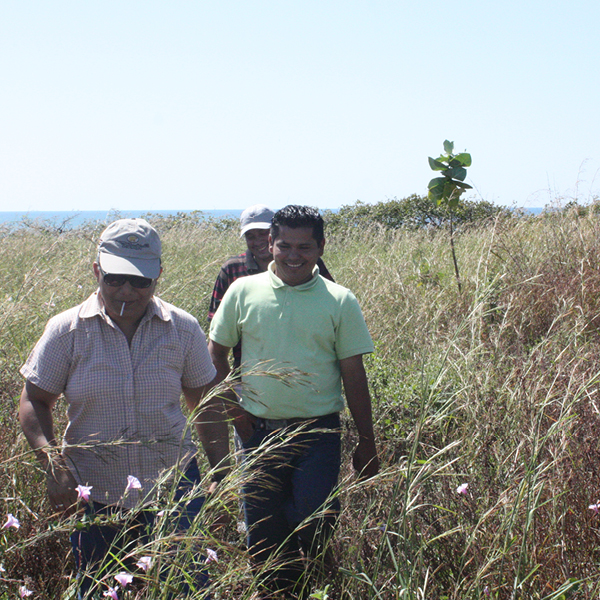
(412, 212)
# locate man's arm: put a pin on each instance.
(35, 415)
(211, 425)
(219, 355)
(241, 420)
(365, 459)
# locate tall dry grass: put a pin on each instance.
(496, 387)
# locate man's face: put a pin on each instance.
(136, 299)
(295, 252)
(257, 241)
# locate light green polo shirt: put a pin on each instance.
(295, 336)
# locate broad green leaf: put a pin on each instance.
(457, 173)
(436, 181)
(449, 188)
(463, 185)
(448, 146)
(436, 193)
(464, 158)
(436, 165)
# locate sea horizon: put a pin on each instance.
(74, 218)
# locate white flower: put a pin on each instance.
(124, 578)
(211, 556)
(133, 483)
(83, 492)
(144, 563)
(11, 522)
(112, 592)
(462, 488)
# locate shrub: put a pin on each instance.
(412, 212)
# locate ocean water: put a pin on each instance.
(74, 218)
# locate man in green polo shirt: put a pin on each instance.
(292, 318)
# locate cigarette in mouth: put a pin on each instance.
(122, 309)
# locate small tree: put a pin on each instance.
(446, 190)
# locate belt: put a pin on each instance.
(275, 424)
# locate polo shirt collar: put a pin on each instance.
(92, 307)
(278, 283)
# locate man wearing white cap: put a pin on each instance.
(255, 223)
(121, 360)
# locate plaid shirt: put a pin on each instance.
(124, 403)
(240, 266)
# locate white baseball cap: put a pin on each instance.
(130, 247)
(256, 217)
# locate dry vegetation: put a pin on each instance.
(496, 387)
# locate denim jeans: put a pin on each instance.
(291, 475)
(92, 544)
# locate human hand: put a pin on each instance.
(244, 425)
(61, 486)
(365, 459)
(221, 514)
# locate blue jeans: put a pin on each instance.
(93, 543)
(291, 476)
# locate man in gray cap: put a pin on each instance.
(255, 223)
(121, 360)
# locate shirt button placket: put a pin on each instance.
(128, 397)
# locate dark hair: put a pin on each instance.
(295, 216)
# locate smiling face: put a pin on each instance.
(295, 252)
(136, 299)
(257, 241)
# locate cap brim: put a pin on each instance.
(118, 265)
(263, 225)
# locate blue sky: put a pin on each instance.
(213, 105)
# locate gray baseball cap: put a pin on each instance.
(130, 247)
(255, 217)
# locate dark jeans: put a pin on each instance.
(288, 508)
(93, 543)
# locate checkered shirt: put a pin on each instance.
(124, 403)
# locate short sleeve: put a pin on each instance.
(49, 363)
(225, 327)
(352, 335)
(198, 369)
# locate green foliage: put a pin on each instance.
(412, 212)
(448, 188)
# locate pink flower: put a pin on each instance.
(112, 592)
(144, 563)
(462, 488)
(486, 591)
(83, 492)
(160, 513)
(133, 483)
(211, 556)
(24, 592)
(124, 579)
(11, 522)
(594, 507)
